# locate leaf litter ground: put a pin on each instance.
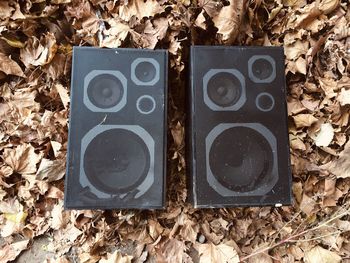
(36, 39)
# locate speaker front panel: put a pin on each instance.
(117, 134)
(238, 152)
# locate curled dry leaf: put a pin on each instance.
(39, 52)
(63, 92)
(341, 166)
(11, 251)
(51, 170)
(10, 67)
(228, 20)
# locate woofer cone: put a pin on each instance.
(224, 89)
(116, 161)
(241, 159)
(105, 91)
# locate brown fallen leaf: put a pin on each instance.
(344, 97)
(39, 52)
(319, 254)
(325, 136)
(116, 257)
(63, 92)
(51, 170)
(11, 251)
(228, 20)
(140, 9)
(10, 67)
(341, 166)
(22, 159)
(304, 120)
(223, 253)
(172, 251)
(5, 10)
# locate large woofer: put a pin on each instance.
(224, 89)
(105, 91)
(116, 161)
(241, 159)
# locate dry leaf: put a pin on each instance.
(341, 166)
(39, 52)
(51, 170)
(8, 66)
(11, 251)
(319, 254)
(172, 251)
(223, 253)
(140, 9)
(325, 136)
(304, 120)
(228, 20)
(116, 257)
(344, 97)
(63, 94)
(22, 159)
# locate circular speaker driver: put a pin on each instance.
(116, 160)
(241, 158)
(145, 71)
(262, 68)
(105, 91)
(224, 89)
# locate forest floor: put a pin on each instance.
(36, 40)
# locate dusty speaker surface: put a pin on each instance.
(237, 133)
(117, 131)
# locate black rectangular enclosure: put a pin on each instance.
(117, 130)
(238, 147)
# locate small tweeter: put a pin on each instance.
(145, 104)
(145, 71)
(265, 102)
(224, 89)
(105, 90)
(262, 69)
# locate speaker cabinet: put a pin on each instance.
(117, 130)
(238, 147)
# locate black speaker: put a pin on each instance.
(117, 130)
(238, 147)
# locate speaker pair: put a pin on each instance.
(237, 146)
(117, 134)
(238, 132)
